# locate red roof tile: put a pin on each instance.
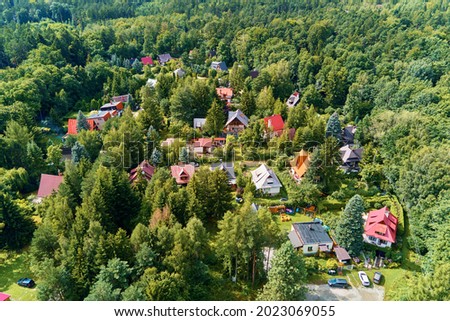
(381, 224)
(48, 184)
(72, 126)
(182, 174)
(224, 93)
(145, 168)
(147, 60)
(203, 142)
(275, 122)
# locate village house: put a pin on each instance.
(266, 181)
(380, 228)
(199, 123)
(182, 173)
(72, 126)
(143, 170)
(236, 122)
(225, 94)
(100, 118)
(125, 99)
(310, 238)
(228, 168)
(164, 58)
(351, 157)
(112, 106)
(219, 66)
(179, 73)
(48, 185)
(299, 165)
(147, 61)
(203, 146)
(293, 99)
(274, 125)
(348, 135)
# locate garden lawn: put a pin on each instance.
(297, 218)
(14, 266)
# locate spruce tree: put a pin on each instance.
(184, 155)
(82, 123)
(287, 276)
(215, 119)
(334, 127)
(79, 152)
(349, 231)
(156, 157)
(248, 102)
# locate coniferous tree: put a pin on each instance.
(334, 127)
(156, 157)
(184, 155)
(78, 153)
(248, 102)
(82, 123)
(349, 230)
(215, 119)
(287, 276)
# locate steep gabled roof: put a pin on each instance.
(203, 142)
(300, 163)
(163, 58)
(381, 224)
(275, 122)
(293, 99)
(182, 174)
(123, 98)
(349, 154)
(48, 184)
(199, 122)
(239, 115)
(261, 176)
(145, 169)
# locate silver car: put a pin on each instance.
(364, 278)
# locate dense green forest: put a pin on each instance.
(383, 66)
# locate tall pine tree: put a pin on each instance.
(349, 231)
(215, 119)
(334, 127)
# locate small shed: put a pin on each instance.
(342, 255)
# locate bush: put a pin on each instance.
(332, 264)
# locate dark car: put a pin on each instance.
(377, 277)
(239, 200)
(26, 282)
(338, 283)
(283, 199)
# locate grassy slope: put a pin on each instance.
(13, 267)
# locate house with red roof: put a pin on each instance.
(274, 124)
(143, 170)
(100, 118)
(4, 297)
(147, 61)
(49, 184)
(299, 165)
(72, 126)
(112, 105)
(203, 146)
(225, 94)
(380, 228)
(182, 173)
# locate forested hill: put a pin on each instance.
(383, 66)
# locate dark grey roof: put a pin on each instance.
(296, 242)
(311, 233)
(228, 167)
(220, 65)
(348, 134)
(163, 58)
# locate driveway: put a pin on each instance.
(325, 293)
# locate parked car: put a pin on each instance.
(283, 199)
(26, 282)
(364, 278)
(239, 200)
(377, 277)
(338, 283)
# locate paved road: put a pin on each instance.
(324, 293)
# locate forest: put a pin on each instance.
(382, 66)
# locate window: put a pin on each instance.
(310, 248)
